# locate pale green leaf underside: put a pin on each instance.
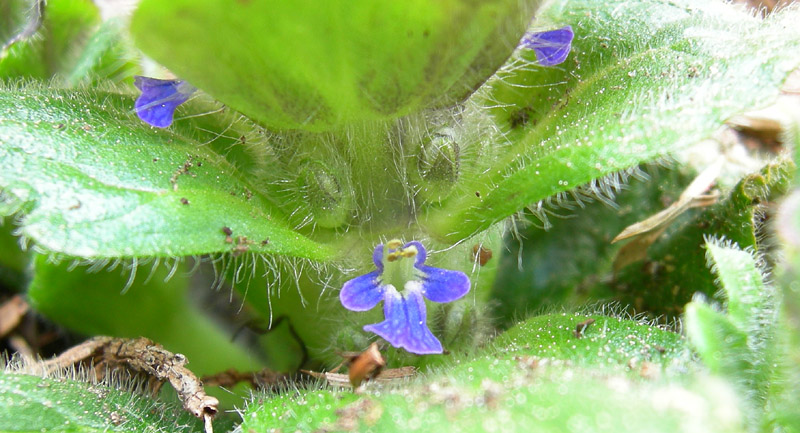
(154, 305)
(316, 65)
(93, 181)
(646, 78)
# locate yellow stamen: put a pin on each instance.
(409, 252)
(394, 244)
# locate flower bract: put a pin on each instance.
(403, 281)
(551, 47)
(159, 99)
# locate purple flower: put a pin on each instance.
(159, 98)
(401, 281)
(551, 47)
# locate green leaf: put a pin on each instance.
(740, 344)
(35, 404)
(646, 78)
(750, 305)
(66, 26)
(607, 341)
(131, 303)
(13, 261)
(93, 181)
(721, 345)
(108, 54)
(315, 65)
(531, 379)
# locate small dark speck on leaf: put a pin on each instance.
(228, 232)
(481, 253)
(155, 159)
(58, 126)
(265, 242)
(478, 194)
(116, 418)
(184, 201)
(242, 245)
(581, 327)
(520, 118)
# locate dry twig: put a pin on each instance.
(364, 366)
(141, 355)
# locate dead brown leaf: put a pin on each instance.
(644, 233)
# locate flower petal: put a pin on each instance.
(422, 253)
(405, 324)
(362, 293)
(377, 257)
(551, 47)
(159, 99)
(443, 285)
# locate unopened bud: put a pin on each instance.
(327, 193)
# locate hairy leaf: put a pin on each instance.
(721, 345)
(646, 78)
(93, 181)
(739, 345)
(533, 379)
(33, 404)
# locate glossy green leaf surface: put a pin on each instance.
(93, 181)
(32, 404)
(646, 78)
(537, 377)
(315, 65)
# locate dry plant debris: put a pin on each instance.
(581, 327)
(263, 379)
(142, 356)
(644, 233)
(364, 366)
